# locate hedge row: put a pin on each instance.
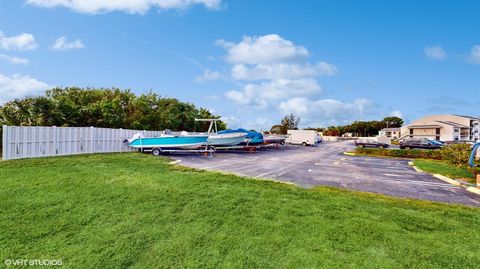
(454, 154)
(401, 153)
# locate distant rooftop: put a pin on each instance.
(469, 117)
(454, 124)
(390, 130)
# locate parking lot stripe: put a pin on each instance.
(227, 164)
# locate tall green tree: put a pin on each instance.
(100, 107)
(393, 122)
(289, 122)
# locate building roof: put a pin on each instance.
(454, 124)
(426, 126)
(390, 130)
(468, 117)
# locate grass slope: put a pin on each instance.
(136, 211)
(443, 168)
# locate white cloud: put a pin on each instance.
(264, 49)
(326, 110)
(279, 66)
(22, 41)
(61, 43)
(396, 113)
(259, 95)
(208, 75)
(128, 6)
(474, 56)
(13, 59)
(231, 121)
(435, 53)
(282, 71)
(18, 86)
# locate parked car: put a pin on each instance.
(465, 142)
(437, 142)
(420, 144)
(362, 143)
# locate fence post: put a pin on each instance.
(121, 135)
(55, 140)
(92, 139)
(4, 142)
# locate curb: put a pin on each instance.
(416, 168)
(473, 190)
(174, 162)
(349, 153)
(448, 180)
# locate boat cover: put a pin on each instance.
(250, 134)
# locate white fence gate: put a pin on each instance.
(31, 141)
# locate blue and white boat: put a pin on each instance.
(223, 138)
(183, 141)
(226, 139)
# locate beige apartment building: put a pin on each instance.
(444, 128)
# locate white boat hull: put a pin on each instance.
(230, 139)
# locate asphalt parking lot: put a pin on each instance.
(326, 165)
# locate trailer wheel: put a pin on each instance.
(156, 152)
(304, 144)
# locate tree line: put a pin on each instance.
(363, 128)
(105, 107)
(357, 128)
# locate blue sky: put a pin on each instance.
(330, 62)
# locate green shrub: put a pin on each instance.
(456, 154)
(401, 153)
(453, 154)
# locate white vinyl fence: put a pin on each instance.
(30, 142)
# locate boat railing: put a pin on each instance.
(183, 133)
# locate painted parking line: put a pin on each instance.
(229, 163)
(381, 180)
(274, 171)
(393, 175)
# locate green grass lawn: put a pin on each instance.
(137, 211)
(443, 168)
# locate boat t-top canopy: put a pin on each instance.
(213, 124)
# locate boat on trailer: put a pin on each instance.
(223, 138)
(274, 139)
(167, 141)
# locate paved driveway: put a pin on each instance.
(326, 165)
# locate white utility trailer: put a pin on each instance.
(303, 137)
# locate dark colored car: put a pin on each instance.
(420, 144)
(363, 143)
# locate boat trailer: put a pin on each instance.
(209, 150)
